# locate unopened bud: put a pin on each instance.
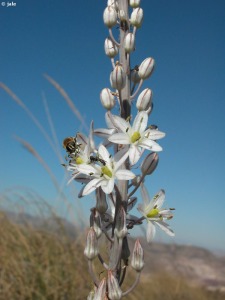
(107, 99)
(144, 100)
(121, 225)
(114, 290)
(135, 3)
(122, 15)
(101, 291)
(137, 259)
(101, 203)
(150, 163)
(113, 3)
(91, 249)
(129, 42)
(146, 68)
(136, 17)
(117, 77)
(110, 16)
(135, 78)
(95, 222)
(111, 49)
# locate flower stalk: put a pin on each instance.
(117, 168)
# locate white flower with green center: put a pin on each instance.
(137, 136)
(104, 175)
(154, 214)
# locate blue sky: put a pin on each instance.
(65, 40)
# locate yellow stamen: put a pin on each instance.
(153, 213)
(106, 171)
(135, 137)
(79, 160)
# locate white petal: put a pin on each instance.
(146, 198)
(140, 122)
(104, 132)
(91, 186)
(154, 134)
(165, 227)
(104, 154)
(159, 199)
(108, 186)
(150, 145)
(150, 232)
(120, 138)
(87, 169)
(117, 122)
(134, 154)
(124, 175)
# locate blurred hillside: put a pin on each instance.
(43, 259)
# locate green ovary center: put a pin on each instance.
(135, 137)
(106, 171)
(79, 160)
(153, 213)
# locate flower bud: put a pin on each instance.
(107, 99)
(136, 17)
(150, 163)
(135, 3)
(135, 78)
(95, 222)
(122, 15)
(121, 225)
(91, 249)
(137, 259)
(114, 290)
(146, 68)
(129, 42)
(117, 77)
(110, 16)
(144, 100)
(101, 203)
(113, 3)
(101, 291)
(111, 49)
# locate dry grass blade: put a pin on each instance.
(68, 100)
(29, 148)
(26, 109)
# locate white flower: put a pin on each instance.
(151, 210)
(136, 136)
(104, 174)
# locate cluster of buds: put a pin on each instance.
(116, 168)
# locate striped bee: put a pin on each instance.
(71, 145)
